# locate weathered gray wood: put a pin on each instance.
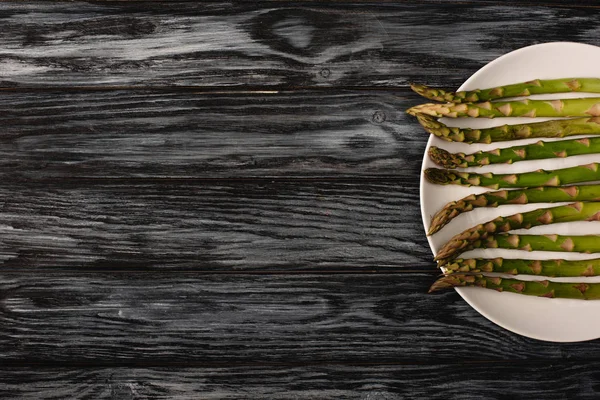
(269, 44)
(127, 134)
(567, 379)
(236, 226)
(207, 207)
(108, 319)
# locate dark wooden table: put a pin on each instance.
(220, 200)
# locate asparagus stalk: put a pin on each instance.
(548, 129)
(536, 151)
(562, 290)
(577, 244)
(544, 216)
(552, 268)
(588, 106)
(557, 177)
(537, 86)
(546, 194)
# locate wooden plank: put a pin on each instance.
(269, 44)
(125, 134)
(134, 319)
(566, 379)
(235, 226)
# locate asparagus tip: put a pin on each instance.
(444, 158)
(454, 280)
(418, 88)
(439, 176)
(441, 218)
(447, 282)
(431, 93)
(414, 111)
(433, 126)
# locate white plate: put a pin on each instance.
(558, 320)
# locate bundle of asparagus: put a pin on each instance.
(531, 187)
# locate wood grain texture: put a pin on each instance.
(465, 381)
(236, 226)
(125, 134)
(269, 44)
(220, 200)
(141, 319)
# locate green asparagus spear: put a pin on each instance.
(584, 107)
(538, 86)
(557, 177)
(529, 267)
(548, 129)
(546, 194)
(577, 244)
(536, 151)
(544, 216)
(561, 290)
